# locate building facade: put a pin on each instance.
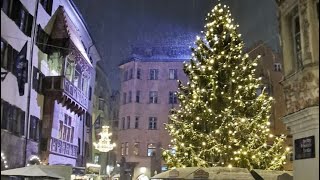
(270, 69)
(149, 83)
(47, 80)
(103, 111)
(299, 30)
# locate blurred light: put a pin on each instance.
(143, 170)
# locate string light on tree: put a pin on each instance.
(221, 120)
(4, 160)
(104, 144)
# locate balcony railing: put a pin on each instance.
(64, 148)
(60, 86)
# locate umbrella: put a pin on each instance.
(31, 171)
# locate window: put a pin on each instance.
(130, 96)
(127, 149)
(90, 93)
(154, 74)
(88, 120)
(66, 130)
(151, 151)
(172, 97)
(124, 98)
(47, 5)
(96, 158)
(5, 6)
(131, 74)
(267, 89)
(138, 97)
(173, 74)
(277, 67)
(136, 123)
(34, 132)
(123, 123)
(153, 97)
(152, 123)
(128, 122)
(122, 149)
(19, 14)
(69, 72)
(171, 149)
(8, 56)
(136, 148)
(101, 103)
(12, 118)
(79, 146)
(37, 80)
(297, 38)
(86, 147)
(42, 39)
(138, 73)
(164, 168)
(125, 76)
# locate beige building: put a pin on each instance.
(147, 94)
(270, 68)
(46, 98)
(299, 30)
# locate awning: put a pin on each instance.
(32, 171)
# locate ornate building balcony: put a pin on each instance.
(60, 147)
(66, 93)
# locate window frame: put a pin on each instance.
(136, 122)
(138, 96)
(151, 149)
(37, 80)
(153, 74)
(66, 131)
(123, 123)
(130, 97)
(296, 34)
(153, 97)
(12, 119)
(174, 73)
(47, 5)
(128, 122)
(126, 148)
(277, 67)
(136, 148)
(34, 128)
(152, 123)
(173, 97)
(138, 73)
(8, 57)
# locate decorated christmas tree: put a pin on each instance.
(221, 120)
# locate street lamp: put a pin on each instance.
(104, 144)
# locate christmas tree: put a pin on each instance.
(221, 120)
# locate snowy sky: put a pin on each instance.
(116, 25)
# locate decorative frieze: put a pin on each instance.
(64, 148)
(301, 91)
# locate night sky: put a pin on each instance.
(116, 25)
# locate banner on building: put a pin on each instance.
(21, 69)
